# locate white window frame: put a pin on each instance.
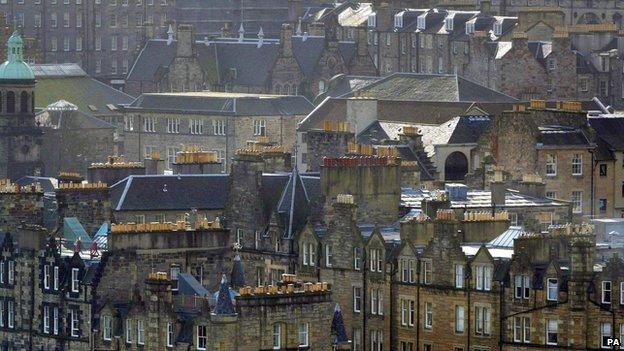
(149, 123)
(577, 201)
(526, 323)
(552, 287)
(196, 126)
(604, 290)
(304, 329)
(202, 337)
(357, 299)
(107, 328)
(428, 315)
(552, 327)
(46, 319)
(46, 277)
(577, 165)
(140, 332)
(277, 336)
(551, 165)
(259, 126)
(74, 327)
(622, 293)
(175, 270)
(606, 332)
(11, 273)
(459, 276)
(357, 258)
(173, 125)
(312, 260)
(128, 331)
(75, 281)
(218, 127)
(426, 271)
(169, 334)
(328, 255)
(460, 315)
(10, 313)
(55, 320)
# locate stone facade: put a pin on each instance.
(91, 206)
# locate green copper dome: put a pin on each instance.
(14, 68)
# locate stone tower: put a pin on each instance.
(20, 138)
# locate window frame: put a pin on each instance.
(550, 288)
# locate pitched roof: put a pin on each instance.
(506, 239)
(224, 304)
(411, 198)
(294, 205)
(224, 104)
(155, 56)
(188, 285)
(68, 82)
(238, 275)
(562, 136)
(610, 130)
(468, 129)
(431, 87)
(170, 192)
(71, 120)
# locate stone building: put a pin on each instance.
(221, 122)
(557, 145)
(296, 63)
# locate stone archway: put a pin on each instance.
(455, 166)
(589, 18)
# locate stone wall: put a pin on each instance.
(322, 143)
(16, 208)
(92, 206)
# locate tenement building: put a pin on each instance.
(222, 122)
(296, 63)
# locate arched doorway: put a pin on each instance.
(455, 166)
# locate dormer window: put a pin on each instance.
(398, 20)
(553, 289)
(470, 27)
(421, 22)
(74, 279)
(372, 20)
(498, 28)
(448, 24)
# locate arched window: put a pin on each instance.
(456, 166)
(10, 99)
(24, 102)
(321, 86)
(278, 89)
(286, 89)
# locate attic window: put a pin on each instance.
(398, 20)
(93, 108)
(421, 22)
(111, 107)
(372, 20)
(448, 24)
(470, 27)
(233, 73)
(498, 28)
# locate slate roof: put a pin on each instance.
(610, 130)
(170, 192)
(238, 275)
(218, 58)
(48, 184)
(469, 129)
(235, 104)
(71, 120)
(506, 239)
(431, 87)
(224, 304)
(69, 82)
(556, 136)
(294, 205)
(411, 198)
(188, 285)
